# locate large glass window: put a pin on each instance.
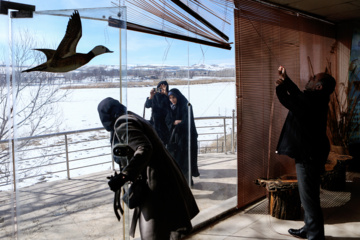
(58, 154)
(200, 122)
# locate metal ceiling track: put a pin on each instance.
(24, 10)
(294, 11)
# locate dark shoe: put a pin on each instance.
(299, 233)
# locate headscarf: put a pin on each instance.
(109, 110)
(165, 83)
(172, 106)
(181, 99)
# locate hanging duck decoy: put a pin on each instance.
(65, 58)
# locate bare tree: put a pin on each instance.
(28, 101)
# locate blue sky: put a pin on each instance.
(142, 48)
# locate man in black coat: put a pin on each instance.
(304, 138)
(166, 210)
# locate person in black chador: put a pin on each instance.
(177, 121)
(159, 102)
(165, 209)
(304, 138)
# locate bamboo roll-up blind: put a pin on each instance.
(266, 37)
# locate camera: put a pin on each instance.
(122, 153)
(122, 150)
(157, 90)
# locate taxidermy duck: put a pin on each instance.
(65, 58)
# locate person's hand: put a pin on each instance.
(116, 181)
(282, 75)
(177, 122)
(152, 93)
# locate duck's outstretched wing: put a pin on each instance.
(49, 53)
(67, 47)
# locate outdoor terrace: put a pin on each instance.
(81, 208)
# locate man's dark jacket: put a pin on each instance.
(304, 132)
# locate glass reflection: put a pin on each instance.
(200, 143)
(53, 110)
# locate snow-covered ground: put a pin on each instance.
(80, 107)
(79, 111)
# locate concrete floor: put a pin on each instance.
(81, 208)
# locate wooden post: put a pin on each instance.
(284, 199)
(285, 204)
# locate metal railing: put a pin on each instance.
(60, 151)
(66, 152)
(214, 142)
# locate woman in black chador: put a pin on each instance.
(159, 102)
(177, 121)
(166, 204)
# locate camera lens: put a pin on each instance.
(119, 151)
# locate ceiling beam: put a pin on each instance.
(139, 28)
(200, 18)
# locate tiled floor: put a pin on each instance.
(341, 214)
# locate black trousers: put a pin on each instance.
(308, 176)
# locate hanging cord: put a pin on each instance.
(270, 225)
(215, 98)
(203, 55)
(166, 52)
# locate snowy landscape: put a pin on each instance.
(80, 107)
(78, 111)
